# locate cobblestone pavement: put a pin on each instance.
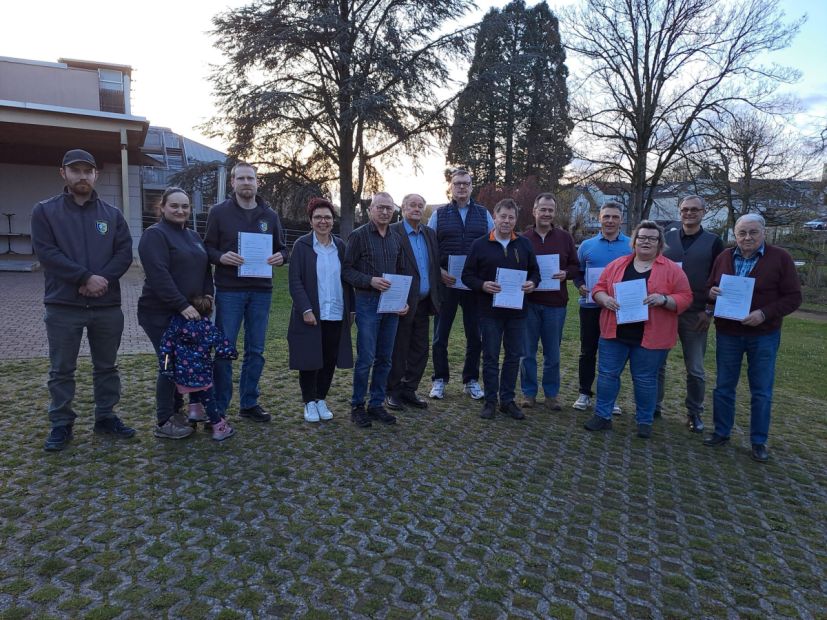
(443, 515)
(21, 309)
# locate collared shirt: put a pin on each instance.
(368, 255)
(744, 265)
(329, 278)
(420, 250)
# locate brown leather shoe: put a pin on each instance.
(528, 402)
(553, 403)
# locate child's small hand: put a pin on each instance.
(190, 313)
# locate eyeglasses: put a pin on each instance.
(743, 234)
(648, 239)
(322, 218)
(545, 211)
(692, 211)
(461, 183)
(384, 207)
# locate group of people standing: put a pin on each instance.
(455, 261)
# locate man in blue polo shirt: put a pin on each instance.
(594, 254)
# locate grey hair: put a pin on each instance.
(752, 217)
(409, 196)
(693, 197)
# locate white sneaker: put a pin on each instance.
(311, 413)
(437, 389)
(617, 410)
(324, 412)
(583, 402)
(473, 389)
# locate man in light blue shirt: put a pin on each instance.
(410, 353)
(595, 253)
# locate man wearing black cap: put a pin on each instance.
(84, 246)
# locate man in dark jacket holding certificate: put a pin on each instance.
(492, 270)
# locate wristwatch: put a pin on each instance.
(709, 310)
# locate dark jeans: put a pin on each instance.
(316, 383)
(374, 348)
(167, 399)
(761, 351)
(442, 331)
(410, 351)
(509, 334)
(693, 343)
(231, 308)
(643, 364)
(64, 330)
(589, 339)
(207, 399)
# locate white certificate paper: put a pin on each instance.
(255, 249)
(629, 296)
(455, 265)
(592, 276)
(549, 265)
(736, 297)
(511, 282)
(395, 298)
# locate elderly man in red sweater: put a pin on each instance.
(776, 293)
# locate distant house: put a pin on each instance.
(591, 197)
(47, 108)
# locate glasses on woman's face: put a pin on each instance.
(647, 239)
(322, 218)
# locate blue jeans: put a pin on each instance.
(375, 335)
(509, 334)
(542, 323)
(64, 330)
(231, 308)
(452, 299)
(761, 350)
(693, 343)
(643, 364)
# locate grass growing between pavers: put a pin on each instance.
(443, 514)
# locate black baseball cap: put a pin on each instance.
(79, 156)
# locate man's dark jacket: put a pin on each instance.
(434, 274)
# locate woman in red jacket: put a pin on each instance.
(645, 340)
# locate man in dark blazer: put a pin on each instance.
(410, 352)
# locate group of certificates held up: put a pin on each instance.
(733, 303)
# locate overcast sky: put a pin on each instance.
(168, 46)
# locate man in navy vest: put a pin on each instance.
(458, 224)
(696, 250)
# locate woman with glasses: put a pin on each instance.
(645, 340)
(177, 270)
(318, 335)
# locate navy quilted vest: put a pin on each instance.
(454, 237)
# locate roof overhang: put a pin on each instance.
(39, 134)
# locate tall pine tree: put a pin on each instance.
(512, 119)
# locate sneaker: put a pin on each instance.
(617, 410)
(324, 412)
(437, 389)
(596, 423)
(644, 431)
(359, 417)
(553, 403)
(311, 413)
(529, 401)
(172, 429)
(488, 411)
(473, 389)
(58, 437)
(113, 426)
(381, 414)
(583, 402)
(513, 410)
(196, 413)
(255, 413)
(222, 430)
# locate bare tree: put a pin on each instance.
(653, 67)
(321, 89)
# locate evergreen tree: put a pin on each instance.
(512, 119)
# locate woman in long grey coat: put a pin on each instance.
(319, 332)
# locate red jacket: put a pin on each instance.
(661, 330)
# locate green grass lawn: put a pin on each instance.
(441, 515)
